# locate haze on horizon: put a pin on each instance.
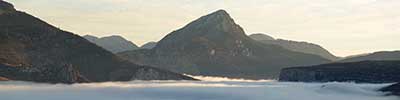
(344, 27)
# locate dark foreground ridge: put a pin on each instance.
(33, 50)
(361, 72)
(376, 56)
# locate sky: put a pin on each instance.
(344, 27)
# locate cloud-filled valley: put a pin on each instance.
(190, 90)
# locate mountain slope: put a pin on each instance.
(364, 72)
(303, 47)
(149, 45)
(261, 37)
(215, 45)
(376, 56)
(6, 7)
(32, 50)
(113, 43)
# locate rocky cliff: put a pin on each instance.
(33, 50)
(215, 45)
(363, 72)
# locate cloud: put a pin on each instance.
(189, 90)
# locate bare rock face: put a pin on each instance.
(215, 45)
(362, 72)
(33, 50)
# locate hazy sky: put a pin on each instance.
(344, 27)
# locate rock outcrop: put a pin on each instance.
(33, 50)
(113, 43)
(296, 46)
(214, 45)
(361, 72)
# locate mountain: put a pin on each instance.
(6, 7)
(214, 45)
(149, 45)
(261, 37)
(33, 50)
(382, 55)
(363, 72)
(113, 43)
(296, 46)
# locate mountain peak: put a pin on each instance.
(6, 7)
(220, 12)
(216, 26)
(214, 23)
(116, 37)
(218, 16)
(261, 36)
(90, 38)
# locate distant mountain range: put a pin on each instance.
(149, 45)
(33, 50)
(113, 43)
(215, 45)
(376, 56)
(296, 46)
(377, 67)
(364, 72)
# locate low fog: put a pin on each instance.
(211, 89)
